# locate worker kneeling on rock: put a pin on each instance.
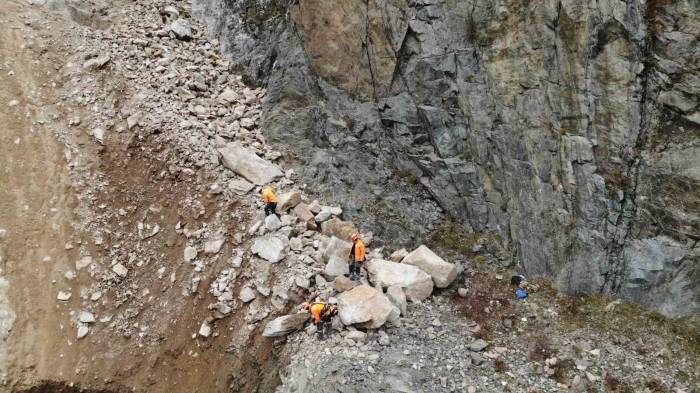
(322, 316)
(270, 199)
(357, 257)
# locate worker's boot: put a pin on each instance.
(319, 331)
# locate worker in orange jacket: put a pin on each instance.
(357, 257)
(270, 200)
(322, 316)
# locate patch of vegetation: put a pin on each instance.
(616, 180)
(450, 236)
(408, 176)
(488, 303)
(500, 366)
(540, 348)
(256, 14)
(563, 370)
(615, 384)
(628, 320)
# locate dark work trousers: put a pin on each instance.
(271, 208)
(356, 268)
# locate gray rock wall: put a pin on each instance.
(570, 128)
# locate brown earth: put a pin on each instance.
(44, 206)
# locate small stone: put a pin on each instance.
(190, 253)
(83, 263)
(247, 294)
(205, 329)
(99, 135)
(272, 222)
(213, 246)
(63, 296)
(471, 389)
(462, 292)
(181, 29)
(478, 345)
(86, 317)
(383, 338)
(96, 63)
(436, 322)
(13, 103)
(120, 270)
(82, 331)
(302, 282)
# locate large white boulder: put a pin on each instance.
(271, 248)
(416, 284)
(365, 306)
(338, 248)
(247, 164)
(336, 267)
(284, 325)
(442, 272)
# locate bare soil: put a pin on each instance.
(50, 198)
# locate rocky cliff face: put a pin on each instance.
(570, 128)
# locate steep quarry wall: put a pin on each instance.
(570, 128)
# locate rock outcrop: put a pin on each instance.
(580, 154)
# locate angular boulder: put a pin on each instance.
(302, 211)
(365, 306)
(284, 325)
(240, 186)
(416, 284)
(288, 200)
(336, 267)
(398, 255)
(271, 248)
(338, 228)
(443, 273)
(343, 284)
(338, 248)
(181, 29)
(247, 164)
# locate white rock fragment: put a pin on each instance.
(190, 253)
(120, 270)
(205, 329)
(213, 246)
(63, 296)
(86, 317)
(82, 331)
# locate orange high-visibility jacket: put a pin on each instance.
(316, 309)
(268, 195)
(359, 250)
